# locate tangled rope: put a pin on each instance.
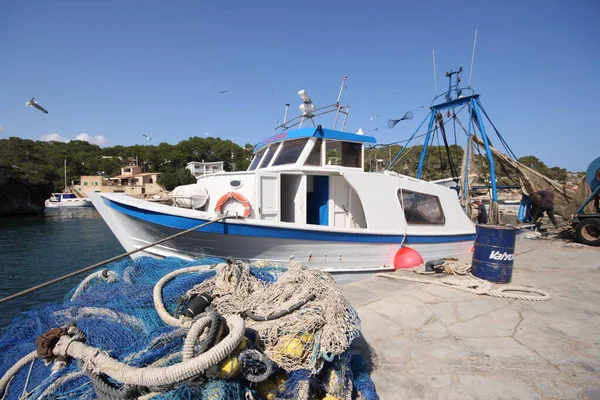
(474, 285)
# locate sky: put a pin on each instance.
(111, 71)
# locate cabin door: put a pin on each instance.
(267, 196)
(341, 201)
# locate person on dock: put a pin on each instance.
(482, 217)
(546, 204)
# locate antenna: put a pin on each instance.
(473, 57)
(287, 105)
(434, 73)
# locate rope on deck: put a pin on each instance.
(474, 285)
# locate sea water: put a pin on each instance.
(37, 248)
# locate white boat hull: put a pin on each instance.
(69, 204)
(346, 255)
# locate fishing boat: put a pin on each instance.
(304, 197)
(67, 200)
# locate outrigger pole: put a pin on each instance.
(454, 98)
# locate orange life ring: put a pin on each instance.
(236, 196)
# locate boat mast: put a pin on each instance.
(65, 175)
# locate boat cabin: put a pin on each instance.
(315, 176)
(311, 147)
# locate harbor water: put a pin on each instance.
(37, 248)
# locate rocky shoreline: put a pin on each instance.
(18, 197)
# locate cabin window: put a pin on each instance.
(290, 152)
(351, 154)
(421, 208)
(346, 154)
(269, 156)
(256, 160)
(314, 158)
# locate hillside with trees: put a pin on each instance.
(39, 162)
(438, 166)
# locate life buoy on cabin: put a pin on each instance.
(236, 196)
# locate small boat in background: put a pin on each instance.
(67, 200)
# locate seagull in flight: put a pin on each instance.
(33, 103)
(374, 117)
(223, 91)
(147, 137)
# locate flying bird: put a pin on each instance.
(147, 137)
(33, 103)
(206, 133)
(223, 91)
(374, 117)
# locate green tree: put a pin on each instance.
(173, 177)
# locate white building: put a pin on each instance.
(199, 169)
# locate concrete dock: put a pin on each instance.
(432, 342)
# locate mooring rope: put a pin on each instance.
(81, 271)
(474, 285)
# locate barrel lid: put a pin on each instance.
(499, 227)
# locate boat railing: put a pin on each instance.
(299, 120)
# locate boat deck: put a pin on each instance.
(433, 342)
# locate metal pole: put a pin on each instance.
(468, 150)
(490, 157)
(62, 278)
(338, 101)
(473, 57)
(425, 144)
(65, 175)
(434, 73)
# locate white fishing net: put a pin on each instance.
(324, 326)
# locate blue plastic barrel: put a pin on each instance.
(494, 253)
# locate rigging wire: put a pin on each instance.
(399, 156)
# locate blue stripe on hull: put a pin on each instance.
(177, 222)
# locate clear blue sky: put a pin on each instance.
(115, 70)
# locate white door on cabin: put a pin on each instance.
(340, 196)
(268, 187)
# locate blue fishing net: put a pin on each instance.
(119, 317)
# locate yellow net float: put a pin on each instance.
(229, 367)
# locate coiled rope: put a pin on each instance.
(474, 285)
(157, 293)
(97, 361)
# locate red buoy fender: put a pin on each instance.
(407, 258)
(236, 196)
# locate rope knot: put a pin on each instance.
(45, 342)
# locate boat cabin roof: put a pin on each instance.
(311, 147)
(314, 132)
